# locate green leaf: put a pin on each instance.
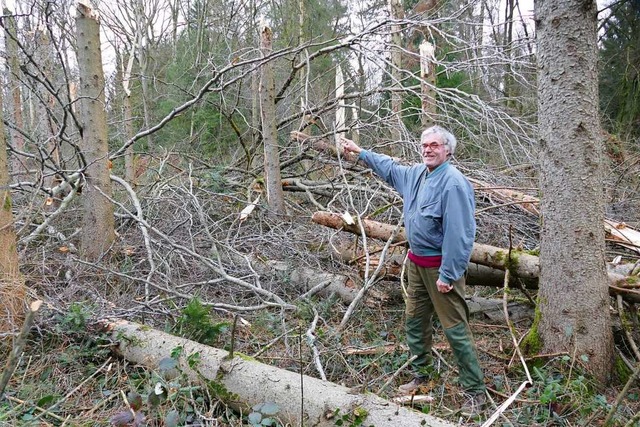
(255, 418)
(44, 401)
(193, 360)
(268, 422)
(177, 352)
(167, 363)
(172, 418)
(584, 358)
(270, 408)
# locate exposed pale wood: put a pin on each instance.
(419, 399)
(428, 83)
(254, 382)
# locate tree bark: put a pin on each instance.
(254, 382)
(98, 220)
(8, 249)
(11, 47)
(397, 13)
(12, 290)
(124, 74)
(573, 298)
(272, 176)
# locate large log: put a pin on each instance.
(520, 264)
(256, 383)
(477, 274)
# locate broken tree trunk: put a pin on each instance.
(519, 264)
(255, 383)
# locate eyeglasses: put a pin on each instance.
(432, 145)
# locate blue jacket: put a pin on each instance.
(438, 210)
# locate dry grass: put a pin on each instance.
(13, 293)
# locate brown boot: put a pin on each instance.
(413, 386)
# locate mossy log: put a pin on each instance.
(250, 382)
(486, 260)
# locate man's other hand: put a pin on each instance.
(443, 287)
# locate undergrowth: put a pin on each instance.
(69, 375)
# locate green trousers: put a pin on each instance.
(423, 301)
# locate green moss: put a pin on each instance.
(353, 418)
(129, 339)
(381, 210)
(218, 390)
(621, 370)
(7, 202)
(532, 343)
(512, 262)
(632, 280)
(245, 357)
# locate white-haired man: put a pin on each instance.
(440, 226)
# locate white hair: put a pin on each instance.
(447, 137)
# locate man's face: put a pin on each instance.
(434, 152)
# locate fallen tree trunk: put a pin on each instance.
(326, 283)
(477, 274)
(255, 383)
(307, 279)
(519, 264)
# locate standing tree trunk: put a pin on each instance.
(13, 65)
(12, 291)
(273, 179)
(98, 221)
(8, 250)
(397, 13)
(573, 298)
(142, 42)
(125, 79)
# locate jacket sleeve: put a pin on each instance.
(459, 230)
(387, 169)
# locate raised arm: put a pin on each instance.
(384, 166)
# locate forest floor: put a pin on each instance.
(68, 375)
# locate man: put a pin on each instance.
(440, 227)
